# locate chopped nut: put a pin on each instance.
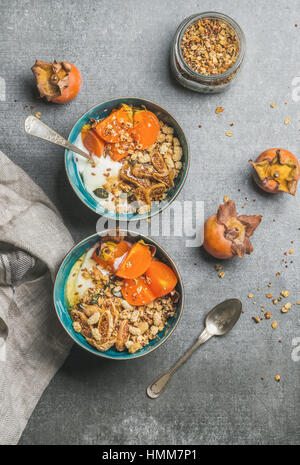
(94, 318)
(285, 293)
(77, 326)
(274, 324)
(286, 307)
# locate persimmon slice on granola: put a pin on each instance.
(115, 125)
(137, 291)
(93, 144)
(145, 128)
(161, 278)
(136, 262)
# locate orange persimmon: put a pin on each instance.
(276, 170)
(145, 128)
(136, 262)
(59, 82)
(226, 234)
(137, 291)
(107, 256)
(109, 129)
(93, 144)
(161, 278)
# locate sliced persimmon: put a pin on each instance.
(161, 278)
(145, 128)
(117, 151)
(109, 129)
(136, 262)
(92, 143)
(137, 291)
(108, 254)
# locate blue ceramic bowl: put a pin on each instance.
(100, 111)
(62, 305)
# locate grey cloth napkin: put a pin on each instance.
(33, 345)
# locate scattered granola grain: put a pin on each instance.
(298, 303)
(273, 105)
(286, 307)
(274, 301)
(218, 267)
(285, 293)
(250, 296)
(222, 274)
(231, 124)
(278, 273)
(262, 378)
(228, 133)
(226, 198)
(219, 110)
(269, 296)
(256, 319)
(210, 46)
(277, 378)
(268, 315)
(291, 251)
(274, 324)
(287, 121)
(38, 114)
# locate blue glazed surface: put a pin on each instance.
(100, 111)
(62, 305)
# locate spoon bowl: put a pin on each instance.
(219, 321)
(223, 317)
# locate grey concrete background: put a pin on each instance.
(122, 48)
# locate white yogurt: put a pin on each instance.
(83, 283)
(93, 176)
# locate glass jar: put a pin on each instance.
(201, 82)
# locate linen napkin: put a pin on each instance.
(33, 344)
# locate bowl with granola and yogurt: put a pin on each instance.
(139, 158)
(118, 294)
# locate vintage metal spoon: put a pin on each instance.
(35, 127)
(218, 322)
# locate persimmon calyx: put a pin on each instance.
(51, 78)
(237, 229)
(283, 172)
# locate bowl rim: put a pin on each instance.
(165, 253)
(149, 215)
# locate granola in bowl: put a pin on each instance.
(137, 159)
(121, 296)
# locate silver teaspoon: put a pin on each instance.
(219, 321)
(35, 127)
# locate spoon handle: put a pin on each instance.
(35, 127)
(158, 386)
